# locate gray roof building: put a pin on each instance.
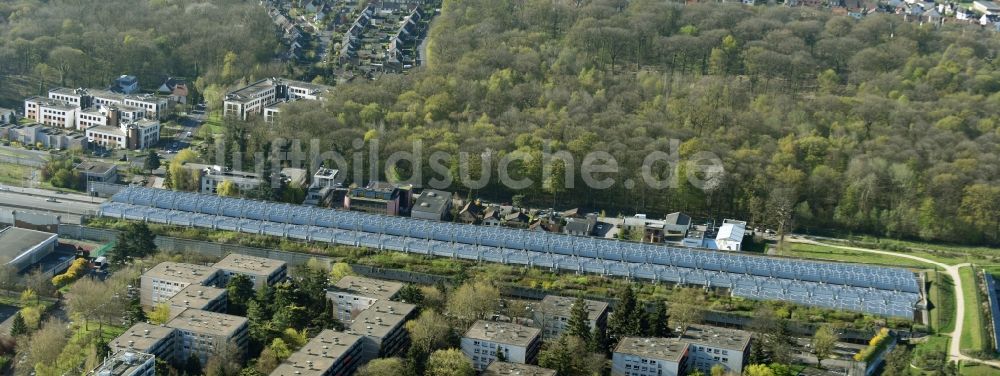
(432, 204)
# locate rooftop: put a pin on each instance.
(732, 230)
(245, 264)
(196, 296)
(14, 242)
(205, 322)
(563, 306)
(106, 94)
(732, 339)
(670, 349)
(370, 287)
(502, 332)
(432, 201)
(67, 91)
(175, 271)
(318, 355)
(381, 318)
(122, 363)
(504, 368)
(107, 129)
(141, 337)
(51, 103)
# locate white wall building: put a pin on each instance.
(730, 236)
(518, 343)
(127, 363)
(353, 294)
(637, 356)
(166, 279)
(50, 112)
(252, 99)
(712, 345)
(553, 313)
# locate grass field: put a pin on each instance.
(941, 293)
(12, 174)
(972, 369)
(836, 254)
(973, 332)
(946, 253)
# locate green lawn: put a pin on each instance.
(973, 335)
(946, 253)
(836, 254)
(941, 293)
(12, 174)
(972, 369)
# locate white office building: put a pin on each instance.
(635, 356)
(485, 339)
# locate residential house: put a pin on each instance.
(635, 356)
(643, 229)
(491, 216)
(675, 226)
(320, 192)
(485, 339)
(471, 213)
(581, 226)
(174, 88)
(730, 236)
(986, 7)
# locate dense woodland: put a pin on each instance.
(78, 43)
(878, 126)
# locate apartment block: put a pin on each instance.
(75, 97)
(203, 333)
(50, 112)
(205, 298)
(383, 329)
(518, 343)
(516, 369)
(166, 279)
(353, 294)
(712, 345)
(147, 338)
(136, 135)
(637, 356)
(251, 100)
(552, 315)
(262, 271)
(330, 353)
(212, 176)
(127, 363)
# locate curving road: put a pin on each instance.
(955, 349)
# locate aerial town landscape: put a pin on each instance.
(499, 187)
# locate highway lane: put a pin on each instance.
(18, 200)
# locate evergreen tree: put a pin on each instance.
(579, 323)
(411, 294)
(598, 341)
(193, 365)
(626, 319)
(135, 312)
(152, 161)
(18, 326)
(136, 241)
(658, 326)
(240, 291)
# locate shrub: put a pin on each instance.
(875, 346)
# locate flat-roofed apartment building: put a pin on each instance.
(262, 271)
(636, 356)
(51, 112)
(137, 135)
(383, 327)
(482, 342)
(252, 99)
(203, 333)
(206, 298)
(154, 107)
(353, 294)
(711, 345)
(553, 313)
(330, 353)
(148, 338)
(166, 279)
(76, 97)
(127, 363)
(516, 369)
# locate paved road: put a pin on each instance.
(955, 348)
(20, 200)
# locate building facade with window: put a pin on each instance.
(486, 340)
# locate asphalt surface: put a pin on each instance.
(48, 204)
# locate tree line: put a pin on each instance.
(876, 126)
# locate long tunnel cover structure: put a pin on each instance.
(886, 291)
